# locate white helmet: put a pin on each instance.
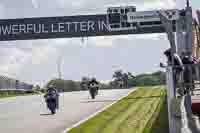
(51, 86)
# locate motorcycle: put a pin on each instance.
(93, 89)
(51, 101)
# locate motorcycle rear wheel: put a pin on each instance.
(53, 111)
(93, 95)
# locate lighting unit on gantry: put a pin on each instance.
(117, 18)
(126, 18)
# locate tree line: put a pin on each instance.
(119, 80)
(127, 79)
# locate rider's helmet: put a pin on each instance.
(168, 52)
(51, 88)
(93, 80)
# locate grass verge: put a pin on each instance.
(136, 113)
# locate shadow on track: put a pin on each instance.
(46, 114)
(93, 101)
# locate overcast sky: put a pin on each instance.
(35, 60)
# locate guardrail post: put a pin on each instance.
(170, 96)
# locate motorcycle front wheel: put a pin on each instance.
(53, 111)
(92, 93)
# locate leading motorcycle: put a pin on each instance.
(51, 101)
(93, 89)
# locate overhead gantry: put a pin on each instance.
(118, 21)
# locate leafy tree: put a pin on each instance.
(65, 85)
(125, 79)
(156, 78)
(130, 75)
(84, 83)
(37, 88)
(121, 79)
(118, 75)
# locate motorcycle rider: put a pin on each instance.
(51, 90)
(178, 64)
(177, 68)
(93, 86)
(188, 73)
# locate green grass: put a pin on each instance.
(160, 123)
(136, 113)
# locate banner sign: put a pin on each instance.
(63, 27)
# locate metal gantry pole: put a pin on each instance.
(170, 96)
(189, 29)
(180, 35)
(170, 79)
(189, 42)
(184, 43)
(59, 60)
(169, 28)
